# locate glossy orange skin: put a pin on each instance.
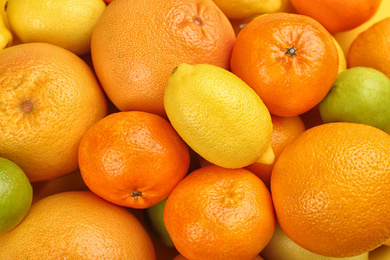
(220, 213)
(133, 158)
(338, 16)
(289, 85)
(331, 189)
(285, 129)
(77, 225)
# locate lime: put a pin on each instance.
(15, 195)
(359, 95)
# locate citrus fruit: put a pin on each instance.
(77, 225)
(219, 116)
(69, 182)
(234, 9)
(359, 95)
(15, 195)
(331, 189)
(371, 48)
(133, 158)
(5, 35)
(338, 16)
(281, 247)
(66, 23)
(49, 98)
(220, 213)
(290, 60)
(154, 217)
(285, 129)
(136, 44)
(346, 38)
(180, 257)
(341, 54)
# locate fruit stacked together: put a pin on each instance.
(194, 129)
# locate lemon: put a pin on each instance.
(65, 23)
(5, 35)
(15, 195)
(219, 116)
(238, 9)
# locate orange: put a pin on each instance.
(220, 213)
(290, 60)
(331, 189)
(180, 257)
(285, 129)
(371, 48)
(49, 98)
(136, 44)
(69, 182)
(77, 225)
(338, 16)
(133, 158)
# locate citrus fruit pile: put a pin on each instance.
(195, 129)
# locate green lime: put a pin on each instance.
(154, 217)
(15, 195)
(359, 95)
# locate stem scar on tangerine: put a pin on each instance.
(291, 51)
(136, 194)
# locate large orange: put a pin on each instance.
(220, 213)
(371, 48)
(49, 97)
(290, 60)
(133, 158)
(285, 129)
(77, 225)
(331, 189)
(136, 45)
(338, 15)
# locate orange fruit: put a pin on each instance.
(290, 60)
(338, 16)
(49, 98)
(331, 189)
(285, 129)
(371, 48)
(133, 158)
(220, 213)
(77, 225)
(135, 46)
(180, 257)
(69, 182)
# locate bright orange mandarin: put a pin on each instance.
(133, 158)
(371, 48)
(285, 129)
(136, 45)
(290, 60)
(77, 225)
(180, 257)
(336, 15)
(220, 213)
(49, 99)
(331, 189)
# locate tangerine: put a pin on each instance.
(290, 60)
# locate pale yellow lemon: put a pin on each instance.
(65, 23)
(238, 9)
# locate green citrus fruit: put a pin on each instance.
(15, 195)
(359, 95)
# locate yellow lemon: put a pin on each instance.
(5, 35)
(345, 39)
(342, 58)
(65, 23)
(219, 116)
(234, 9)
